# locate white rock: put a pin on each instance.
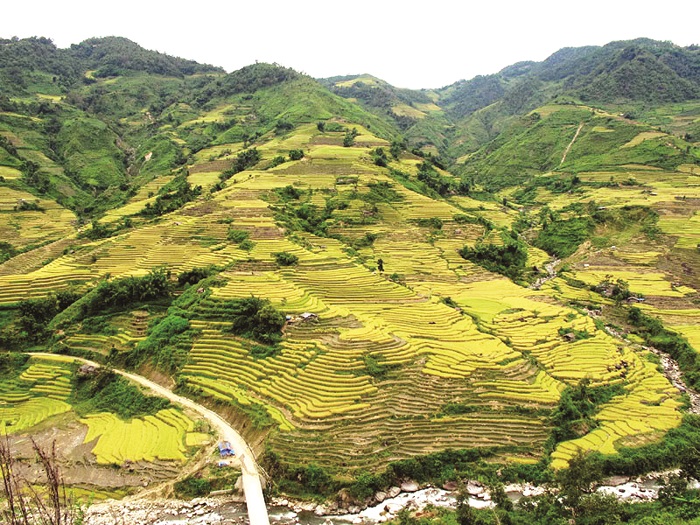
(474, 489)
(393, 492)
(409, 486)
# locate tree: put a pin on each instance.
(349, 139)
(296, 154)
(256, 319)
(379, 157)
(466, 515)
(396, 149)
(380, 265)
(579, 479)
(286, 258)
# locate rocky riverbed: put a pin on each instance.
(383, 507)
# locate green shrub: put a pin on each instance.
(237, 236)
(433, 222)
(375, 366)
(573, 416)
(508, 259)
(256, 319)
(246, 245)
(286, 258)
(118, 293)
(276, 161)
(194, 275)
(105, 391)
(244, 160)
(35, 315)
(349, 138)
(166, 345)
(296, 154)
(562, 238)
(172, 196)
(289, 192)
(192, 487)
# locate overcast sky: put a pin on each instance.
(425, 44)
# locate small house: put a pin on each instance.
(225, 449)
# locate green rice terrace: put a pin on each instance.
(350, 284)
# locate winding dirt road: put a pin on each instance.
(252, 486)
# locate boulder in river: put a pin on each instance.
(409, 486)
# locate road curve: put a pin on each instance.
(252, 487)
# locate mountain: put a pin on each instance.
(374, 284)
(626, 73)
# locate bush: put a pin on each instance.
(244, 160)
(562, 238)
(161, 344)
(246, 245)
(573, 416)
(282, 126)
(375, 366)
(7, 251)
(286, 258)
(296, 154)
(279, 159)
(349, 138)
(35, 315)
(192, 487)
(256, 319)
(118, 293)
(289, 192)
(237, 236)
(194, 275)
(107, 392)
(379, 157)
(174, 195)
(12, 362)
(508, 259)
(433, 222)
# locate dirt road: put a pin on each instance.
(252, 486)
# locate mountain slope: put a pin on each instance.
(454, 311)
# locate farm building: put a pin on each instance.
(225, 449)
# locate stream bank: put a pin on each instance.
(228, 510)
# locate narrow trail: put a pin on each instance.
(250, 473)
(566, 151)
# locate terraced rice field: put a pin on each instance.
(149, 438)
(498, 352)
(649, 408)
(32, 228)
(38, 394)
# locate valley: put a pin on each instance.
(369, 284)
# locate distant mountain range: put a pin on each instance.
(115, 96)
